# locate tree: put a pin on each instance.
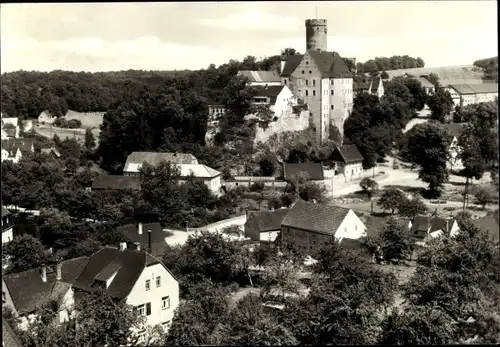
(267, 166)
(411, 208)
(483, 196)
(312, 192)
(89, 140)
(288, 51)
(384, 75)
(428, 146)
(391, 199)
(280, 274)
(397, 243)
(274, 203)
(25, 253)
(441, 104)
(368, 185)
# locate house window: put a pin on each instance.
(285, 81)
(3, 297)
(165, 325)
(307, 62)
(314, 82)
(314, 93)
(307, 93)
(302, 71)
(158, 281)
(307, 82)
(331, 81)
(141, 310)
(148, 284)
(165, 303)
(356, 227)
(345, 230)
(148, 309)
(332, 107)
(310, 71)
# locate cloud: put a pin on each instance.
(253, 20)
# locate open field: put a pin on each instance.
(78, 134)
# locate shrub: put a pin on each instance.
(257, 187)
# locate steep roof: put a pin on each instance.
(490, 225)
(131, 264)
(131, 233)
(260, 76)
(314, 170)
(116, 182)
(330, 64)
(455, 129)
(198, 170)
(154, 158)
(424, 82)
(5, 212)
(423, 223)
(24, 144)
(321, 218)
(10, 339)
(50, 150)
(347, 154)
(270, 92)
(10, 120)
(483, 88)
(269, 220)
(28, 290)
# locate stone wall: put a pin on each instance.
(289, 121)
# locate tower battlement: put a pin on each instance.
(316, 34)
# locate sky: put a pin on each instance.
(168, 36)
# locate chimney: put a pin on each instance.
(149, 241)
(59, 271)
(138, 246)
(123, 246)
(44, 273)
(139, 228)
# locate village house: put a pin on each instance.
(136, 159)
(428, 86)
(348, 161)
(376, 87)
(116, 182)
(46, 118)
(147, 236)
(26, 291)
(454, 131)
(51, 152)
(10, 127)
(7, 226)
(308, 225)
(260, 78)
(425, 228)
(312, 171)
(264, 226)
(14, 149)
(468, 94)
(322, 79)
(136, 277)
(489, 224)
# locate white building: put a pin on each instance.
(348, 161)
(467, 94)
(143, 281)
(46, 118)
(136, 159)
(10, 127)
(13, 149)
(428, 86)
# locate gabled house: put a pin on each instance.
(146, 236)
(425, 228)
(26, 291)
(116, 182)
(136, 159)
(348, 161)
(264, 226)
(454, 131)
(489, 224)
(308, 225)
(467, 94)
(260, 78)
(51, 151)
(10, 127)
(46, 118)
(7, 226)
(14, 149)
(376, 87)
(428, 86)
(136, 277)
(278, 98)
(313, 171)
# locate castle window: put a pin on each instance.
(333, 92)
(307, 62)
(302, 71)
(307, 82)
(314, 82)
(332, 107)
(310, 71)
(307, 93)
(314, 93)
(332, 81)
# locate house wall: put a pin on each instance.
(455, 229)
(453, 151)
(269, 236)
(230, 184)
(262, 84)
(214, 113)
(341, 100)
(66, 309)
(6, 297)
(251, 229)
(44, 118)
(351, 170)
(7, 235)
(485, 97)
(169, 287)
(351, 227)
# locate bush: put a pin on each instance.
(257, 187)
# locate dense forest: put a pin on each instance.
(489, 67)
(396, 62)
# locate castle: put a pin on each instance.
(321, 79)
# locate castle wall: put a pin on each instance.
(289, 121)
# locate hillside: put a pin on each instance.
(469, 74)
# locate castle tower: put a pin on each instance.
(316, 34)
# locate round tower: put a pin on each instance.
(316, 34)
